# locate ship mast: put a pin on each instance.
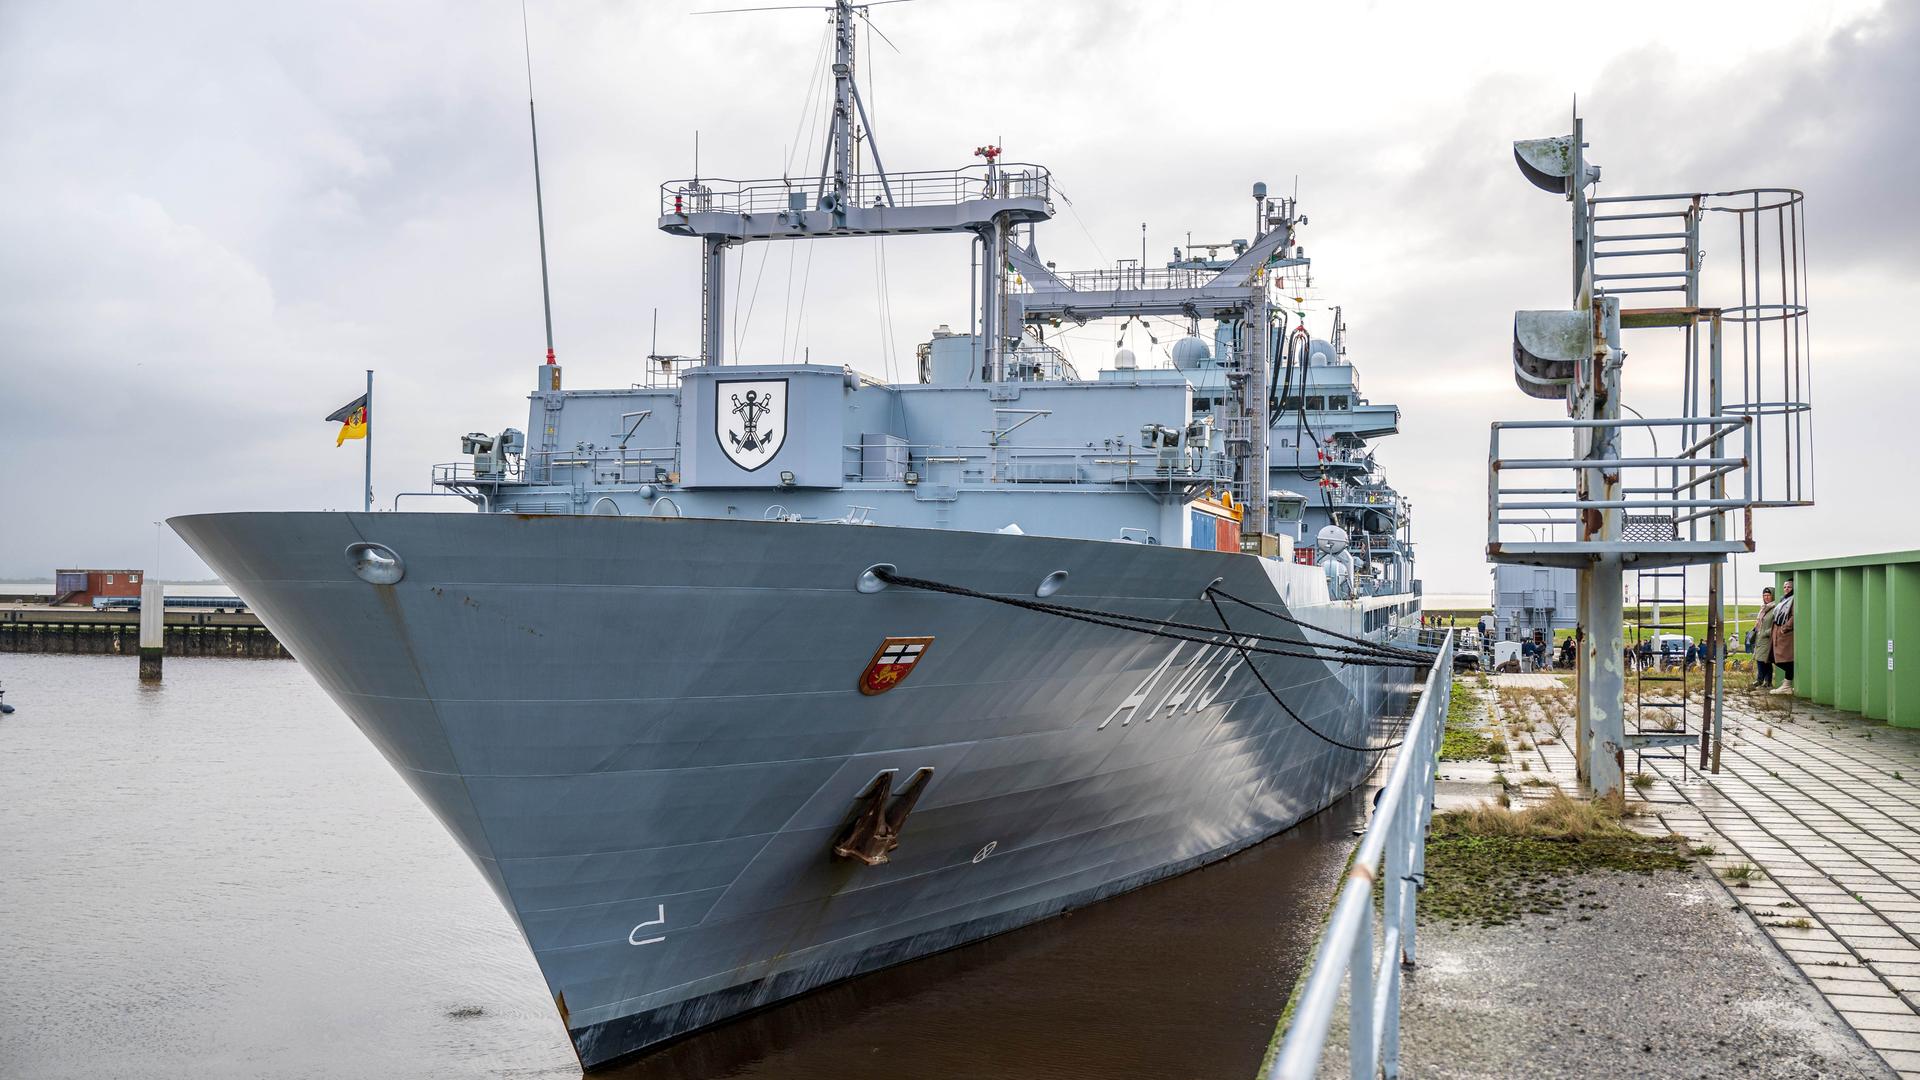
(988, 200)
(847, 102)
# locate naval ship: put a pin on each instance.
(750, 677)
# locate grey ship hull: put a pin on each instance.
(646, 733)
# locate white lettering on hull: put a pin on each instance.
(634, 938)
(1194, 687)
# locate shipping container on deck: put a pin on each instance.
(1215, 525)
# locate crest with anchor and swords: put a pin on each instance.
(750, 420)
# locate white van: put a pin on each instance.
(1672, 648)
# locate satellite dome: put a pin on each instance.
(1332, 540)
(1321, 352)
(1191, 352)
(1124, 360)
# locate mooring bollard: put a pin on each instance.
(153, 629)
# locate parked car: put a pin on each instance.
(1672, 648)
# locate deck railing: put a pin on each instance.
(1668, 500)
(944, 187)
(1348, 952)
(1123, 463)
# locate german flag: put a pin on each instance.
(352, 418)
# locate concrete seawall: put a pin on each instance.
(86, 632)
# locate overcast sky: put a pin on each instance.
(213, 217)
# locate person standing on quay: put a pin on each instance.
(1782, 624)
(1763, 641)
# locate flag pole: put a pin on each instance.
(366, 502)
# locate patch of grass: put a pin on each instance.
(1702, 850)
(1642, 781)
(1463, 740)
(1742, 872)
(1494, 866)
(1897, 776)
(1794, 924)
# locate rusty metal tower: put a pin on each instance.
(1738, 440)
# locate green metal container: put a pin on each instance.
(1857, 632)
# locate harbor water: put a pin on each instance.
(217, 876)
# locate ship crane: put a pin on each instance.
(1235, 292)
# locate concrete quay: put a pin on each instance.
(1787, 950)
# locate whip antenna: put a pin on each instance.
(539, 207)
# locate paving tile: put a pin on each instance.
(1809, 801)
(1827, 948)
(1906, 1062)
(1886, 1023)
(1844, 975)
(1883, 1002)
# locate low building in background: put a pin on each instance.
(1529, 598)
(83, 587)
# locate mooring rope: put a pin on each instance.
(1371, 656)
(1268, 687)
(1284, 617)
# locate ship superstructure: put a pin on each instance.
(1321, 469)
(756, 676)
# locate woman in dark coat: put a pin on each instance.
(1763, 641)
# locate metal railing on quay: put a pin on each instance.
(1394, 852)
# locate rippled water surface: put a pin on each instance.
(218, 877)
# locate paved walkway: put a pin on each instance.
(1814, 822)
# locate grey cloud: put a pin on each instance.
(214, 218)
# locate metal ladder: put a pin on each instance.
(1662, 726)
